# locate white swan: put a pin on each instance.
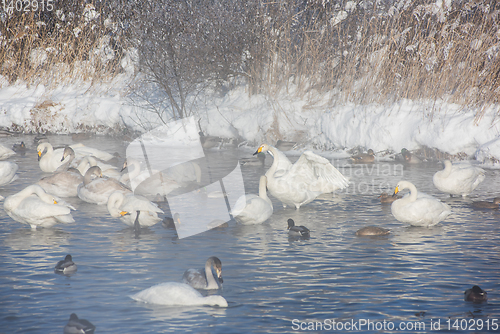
(52, 159)
(125, 207)
(418, 209)
(5, 152)
(458, 179)
(65, 181)
(89, 161)
(96, 188)
(35, 207)
(253, 209)
(302, 182)
(174, 293)
(204, 278)
(8, 172)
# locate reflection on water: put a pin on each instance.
(412, 274)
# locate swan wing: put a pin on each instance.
(317, 174)
(196, 278)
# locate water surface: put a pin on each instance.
(273, 284)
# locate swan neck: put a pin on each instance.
(211, 283)
(263, 189)
(274, 166)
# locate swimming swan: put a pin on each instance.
(204, 278)
(253, 209)
(35, 207)
(65, 181)
(458, 179)
(51, 159)
(418, 209)
(78, 326)
(174, 293)
(302, 182)
(96, 188)
(8, 172)
(5, 152)
(125, 207)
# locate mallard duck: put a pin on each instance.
(253, 209)
(372, 231)
(458, 179)
(35, 207)
(475, 295)
(66, 266)
(408, 157)
(364, 157)
(204, 278)
(417, 208)
(126, 206)
(8, 172)
(300, 183)
(385, 198)
(19, 148)
(174, 293)
(297, 231)
(96, 188)
(78, 326)
(487, 205)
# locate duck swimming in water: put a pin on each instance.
(475, 295)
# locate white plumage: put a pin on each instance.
(458, 179)
(300, 183)
(253, 209)
(125, 207)
(174, 293)
(7, 172)
(35, 207)
(417, 208)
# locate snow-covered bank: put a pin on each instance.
(259, 118)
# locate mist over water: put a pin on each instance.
(272, 283)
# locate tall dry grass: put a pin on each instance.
(361, 52)
(74, 41)
(371, 53)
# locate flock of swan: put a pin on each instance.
(81, 171)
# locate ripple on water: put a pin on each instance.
(412, 274)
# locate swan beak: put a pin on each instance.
(39, 155)
(55, 202)
(396, 191)
(124, 166)
(123, 213)
(258, 150)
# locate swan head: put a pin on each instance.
(475, 295)
(68, 152)
(262, 148)
(216, 262)
(91, 174)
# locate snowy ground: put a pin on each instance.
(408, 124)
